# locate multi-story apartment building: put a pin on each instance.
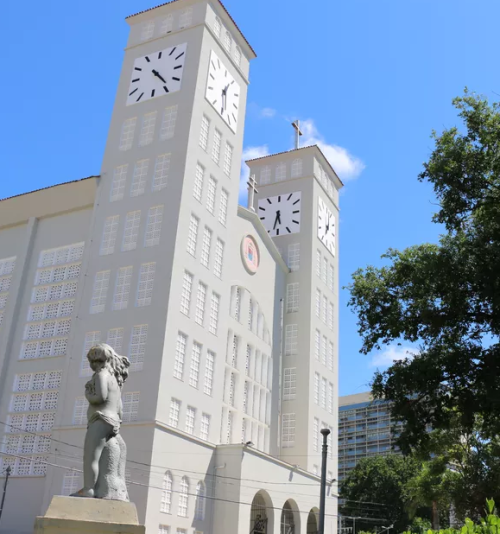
(228, 315)
(365, 429)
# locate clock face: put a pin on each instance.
(157, 74)
(281, 214)
(223, 92)
(326, 226)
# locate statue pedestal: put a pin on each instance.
(77, 515)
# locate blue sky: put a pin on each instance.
(371, 80)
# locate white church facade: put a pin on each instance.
(229, 315)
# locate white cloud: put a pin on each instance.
(267, 113)
(347, 166)
(250, 152)
(391, 354)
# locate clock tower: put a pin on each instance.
(297, 202)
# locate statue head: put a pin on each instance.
(103, 355)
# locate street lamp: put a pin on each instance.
(386, 528)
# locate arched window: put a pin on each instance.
(258, 516)
(287, 519)
(183, 497)
(217, 27)
(228, 41)
(200, 502)
(237, 56)
(166, 494)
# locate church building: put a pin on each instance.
(228, 315)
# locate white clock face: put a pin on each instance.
(223, 92)
(281, 214)
(157, 74)
(326, 226)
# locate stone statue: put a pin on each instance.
(104, 452)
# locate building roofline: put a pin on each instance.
(218, 1)
(297, 150)
(49, 187)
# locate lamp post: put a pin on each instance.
(7, 475)
(321, 529)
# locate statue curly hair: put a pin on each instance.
(118, 365)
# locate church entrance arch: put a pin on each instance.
(290, 518)
(261, 514)
(312, 521)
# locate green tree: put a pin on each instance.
(381, 480)
(445, 297)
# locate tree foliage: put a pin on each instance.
(445, 297)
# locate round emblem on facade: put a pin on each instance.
(250, 254)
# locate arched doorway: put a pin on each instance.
(312, 521)
(290, 518)
(261, 514)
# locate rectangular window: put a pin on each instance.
(289, 383)
(324, 271)
(315, 434)
(296, 168)
(130, 406)
(330, 315)
(216, 146)
(294, 256)
(212, 188)
(153, 226)
(163, 529)
(209, 373)
(280, 172)
(115, 339)
(192, 235)
(205, 127)
(91, 338)
(118, 185)
(187, 284)
(330, 398)
(167, 24)
(288, 430)
(318, 303)
(198, 182)
(122, 288)
(324, 350)
(147, 129)
(145, 285)
(139, 178)
(292, 297)
(316, 388)
(317, 345)
(194, 371)
(127, 134)
(160, 177)
(214, 314)
(265, 175)
(219, 254)
(80, 411)
(147, 30)
(200, 304)
(323, 392)
(131, 230)
(100, 292)
(318, 264)
(180, 356)
(186, 17)
(331, 278)
(228, 159)
(109, 233)
(330, 356)
(205, 426)
(175, 408)
(167, 128)
(324, 309)
(190, 418)
(205, 247)
(291, 333)
(223, 207)
(137, 349)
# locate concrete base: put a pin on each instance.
(77, 515)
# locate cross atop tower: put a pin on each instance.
(298, 132)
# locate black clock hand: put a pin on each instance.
(158, 75)
(277, 219)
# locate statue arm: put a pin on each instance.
(100, 392)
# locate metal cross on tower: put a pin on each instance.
(252, 189)
(298, 132)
